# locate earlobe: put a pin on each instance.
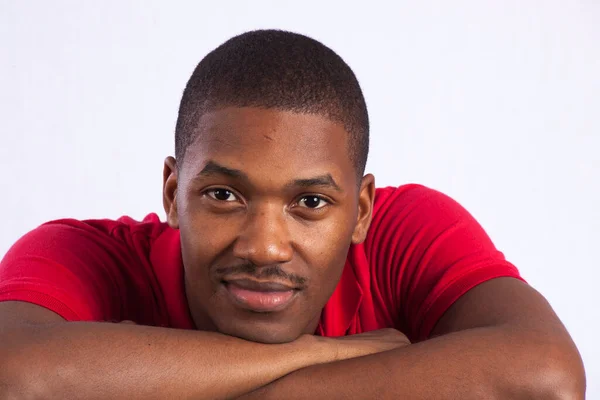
(366, 198)
(170, 192)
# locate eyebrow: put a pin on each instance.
(212, 168)
(325, 180)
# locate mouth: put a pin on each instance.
(257, 296)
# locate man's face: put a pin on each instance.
(267, 204)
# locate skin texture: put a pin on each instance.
(265, 230)
(44, 357)
(500, 340)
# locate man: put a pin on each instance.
(281, 271)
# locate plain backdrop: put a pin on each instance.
(496, 103)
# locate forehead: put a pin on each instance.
(261, 141)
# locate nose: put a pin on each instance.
(265, 237)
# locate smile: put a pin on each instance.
(260, 296)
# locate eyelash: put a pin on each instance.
(320, 197)
(206, 193)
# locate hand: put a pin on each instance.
(342, 348)
(369, 343)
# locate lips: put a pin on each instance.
(260, 296)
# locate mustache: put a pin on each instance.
(265, 272)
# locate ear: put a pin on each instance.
(366, 197)
(170, 192)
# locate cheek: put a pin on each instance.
(206, 233)
(333, 234)
(326, 247)
(204, 239)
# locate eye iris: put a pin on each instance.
(312, 201)
(222, 194)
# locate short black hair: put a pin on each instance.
(281, 70)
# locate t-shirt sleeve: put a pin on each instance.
(68, 267)
(429, 251)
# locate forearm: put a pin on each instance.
(490, 363)
(104, 360)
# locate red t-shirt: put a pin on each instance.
(423, 251)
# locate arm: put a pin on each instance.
(484, 348)
(73, 271)
(42, 356)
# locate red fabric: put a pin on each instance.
(423, 251)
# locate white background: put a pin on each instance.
(496, 103)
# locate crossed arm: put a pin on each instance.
(500, 340)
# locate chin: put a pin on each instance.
(262, 334)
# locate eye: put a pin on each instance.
(221, 194)
(313, 202)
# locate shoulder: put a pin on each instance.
(413, 218)
(81, 244)
(423, 251)
(409, 197)
(107, 232)
(79, 268)
(411, 206)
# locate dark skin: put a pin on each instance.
(251, 213)
(501, 340)
(482, 339)
(294, 226)
(502, 337)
